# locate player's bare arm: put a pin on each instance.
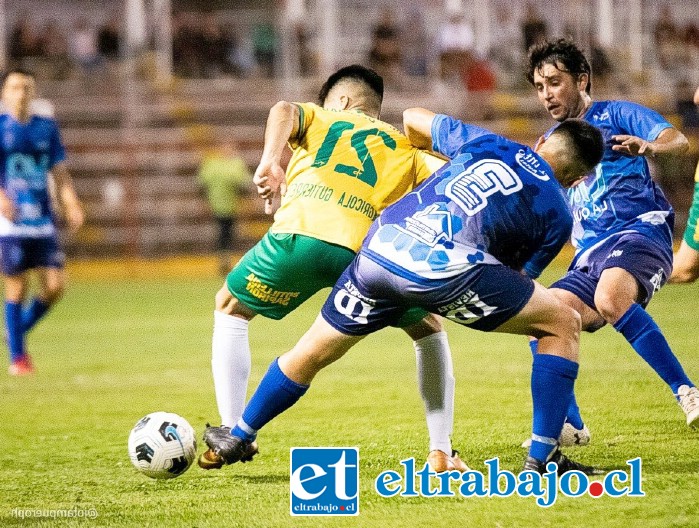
(73, 210)
(670, 141)
(282, 125)
(417, 123)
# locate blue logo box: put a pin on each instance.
(324, 481)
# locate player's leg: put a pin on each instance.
(15, 293)
(14, 266)
(51, 288)
(686, 265)
(435, 376)
(46, 257)
(345, 318)
(571, 290)
(230, 355)
(616, 299)
(272, 279)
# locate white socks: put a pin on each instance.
(435, 376)
(230, 364)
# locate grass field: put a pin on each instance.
(115, 350)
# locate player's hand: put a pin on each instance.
(270, 180)
(633, 146)
(7, 208)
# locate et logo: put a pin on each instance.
(324, 481)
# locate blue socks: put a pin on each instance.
(573, 416)
(15, 332)
(643, 334)
(274, 395)
(35, 311)
(553, 378)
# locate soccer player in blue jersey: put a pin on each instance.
(623, 223)
(30, 149)
(467, 245)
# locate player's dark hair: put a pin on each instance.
(20, 71)
(561, 53)
(355, 72)
(585, 139)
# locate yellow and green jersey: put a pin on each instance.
(346, 168)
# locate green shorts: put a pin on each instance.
(691, 234)
(282, 271)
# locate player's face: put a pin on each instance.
(561, 94)
(17, 92)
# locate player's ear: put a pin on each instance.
(344, 102)
(583, 79)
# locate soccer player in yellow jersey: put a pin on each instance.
(347, 166)
(686, 262)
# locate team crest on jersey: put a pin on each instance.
(529, 163)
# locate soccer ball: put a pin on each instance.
(162, 445)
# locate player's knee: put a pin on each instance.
(224, 299)
(568, 323)
(430, 324)
(684, 275)
(610, 305)
(53, 293)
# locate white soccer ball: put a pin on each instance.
(162, 445)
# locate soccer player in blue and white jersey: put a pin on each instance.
(623, 223)
(467, 245)
(30, 149)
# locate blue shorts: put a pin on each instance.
(368, 297)
(648, 259)
(18, 255)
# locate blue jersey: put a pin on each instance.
(620, 194)
(28, 151)
(495, 202)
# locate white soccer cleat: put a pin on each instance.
(570, 437)
(688, 398)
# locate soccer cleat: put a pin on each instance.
(439, 461)
(21, 367)
(226, 447)
(688, 398)
(564, 463)
(569, 437)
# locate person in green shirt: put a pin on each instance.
(224, 175)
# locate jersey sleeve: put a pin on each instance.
(306, 114)
(57, 152)
(426, 165)
(449, 134)
(636, 120)
(558, 228)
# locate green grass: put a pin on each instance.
(113, 352)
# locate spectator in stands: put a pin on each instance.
(385, 53)
(455, 42)
(224, 175)
(83, 47)
(534, 27)
(264, 44)
(23, 41)
(413, 41)
(668, 39)
(506, 40)
(109, 39)
(186, 53)
(53, 47)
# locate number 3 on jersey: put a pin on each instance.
(367, 172)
